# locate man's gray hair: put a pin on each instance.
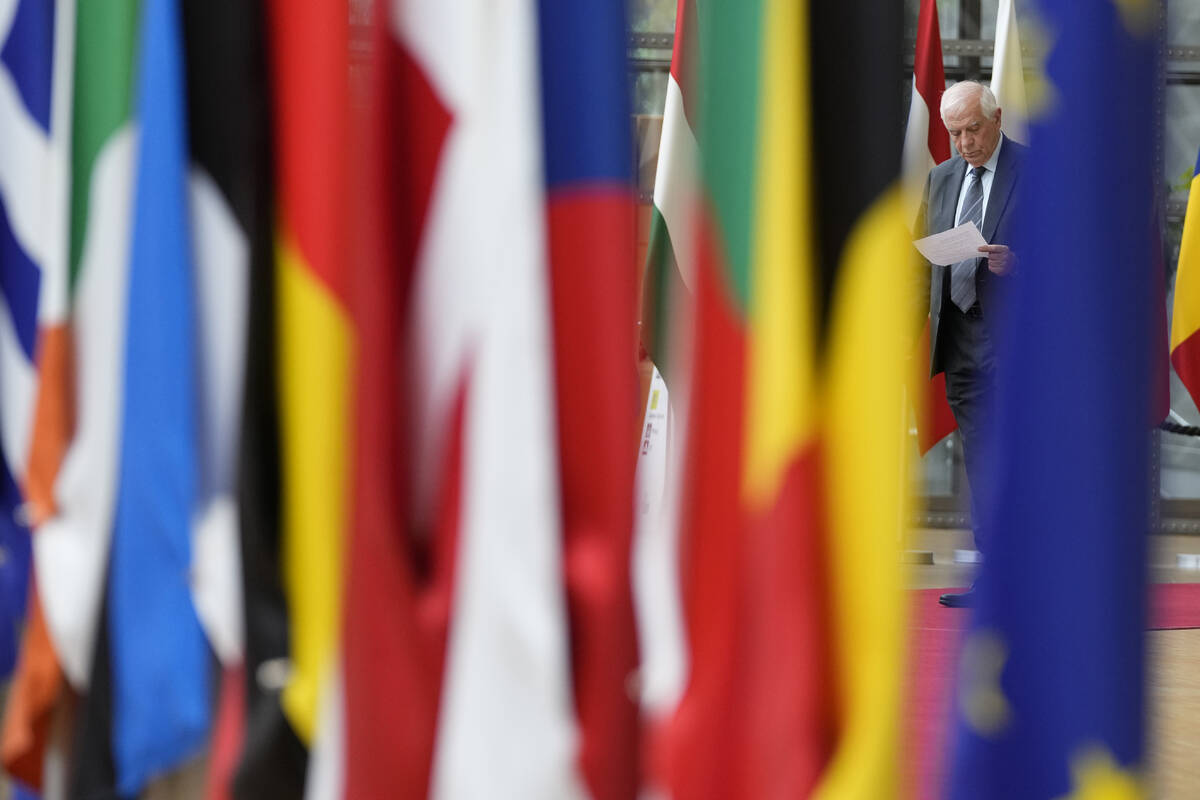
(957, 99)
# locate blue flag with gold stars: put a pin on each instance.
(1050, 695)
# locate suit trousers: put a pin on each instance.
(970, 363)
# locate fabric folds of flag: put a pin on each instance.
(454, 330)
(670, 254)
(589, 187)
(795, 659)
(1185, 319)
(35, 62)
(926, 144)
(26, 158)
(1008, 74)
(160, 657)
(310, 77)
(1051, 694)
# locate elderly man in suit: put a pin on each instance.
(977, 184)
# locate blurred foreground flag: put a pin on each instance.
(27, 160)
(590, 216)
(487, 565)
(309, 69)
(35, 131)
(1185, 321)
(160, 658)
(1051, 686)
(791, 585)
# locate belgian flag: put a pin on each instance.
(793, 497)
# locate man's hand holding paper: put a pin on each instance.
(950, 247)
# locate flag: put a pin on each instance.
(35, 119)
(393, 662)
(926, 144)
(670, 254)
(452, 313)
(1185, 319)
(1008, 74)
(795, 657)
(160, 657)
(308, 51)
(71, 545)
(26, 152)
(1051, 690)
(590, 215)
(233, 194)
(71, 478)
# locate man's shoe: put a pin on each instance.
(959, 600)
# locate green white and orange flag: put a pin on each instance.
(72, 475)
(793, 500)
(1185, 319)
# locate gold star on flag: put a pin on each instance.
(984, 706)
(1140, 16)
(1098, 777)
(1041, 95)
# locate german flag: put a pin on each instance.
(309, 62)
(793, 499)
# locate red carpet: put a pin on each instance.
(936, 633)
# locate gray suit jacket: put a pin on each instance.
(937, 214)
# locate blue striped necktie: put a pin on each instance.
(962, 274)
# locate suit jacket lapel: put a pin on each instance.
(950, 192)
(1002, 186)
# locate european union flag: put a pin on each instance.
(1050, 701)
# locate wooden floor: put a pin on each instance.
(1174, 688)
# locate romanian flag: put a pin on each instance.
(792, 591)
(1185, 321)
(1052, 682)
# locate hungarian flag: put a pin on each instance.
(926, 144)
(792, 590)
(670, 254)
(1185, 320)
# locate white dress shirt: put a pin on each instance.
(990, 166)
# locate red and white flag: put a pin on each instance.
(926, 144)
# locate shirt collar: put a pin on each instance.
(990, 164)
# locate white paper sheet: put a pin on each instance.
(952, 246)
